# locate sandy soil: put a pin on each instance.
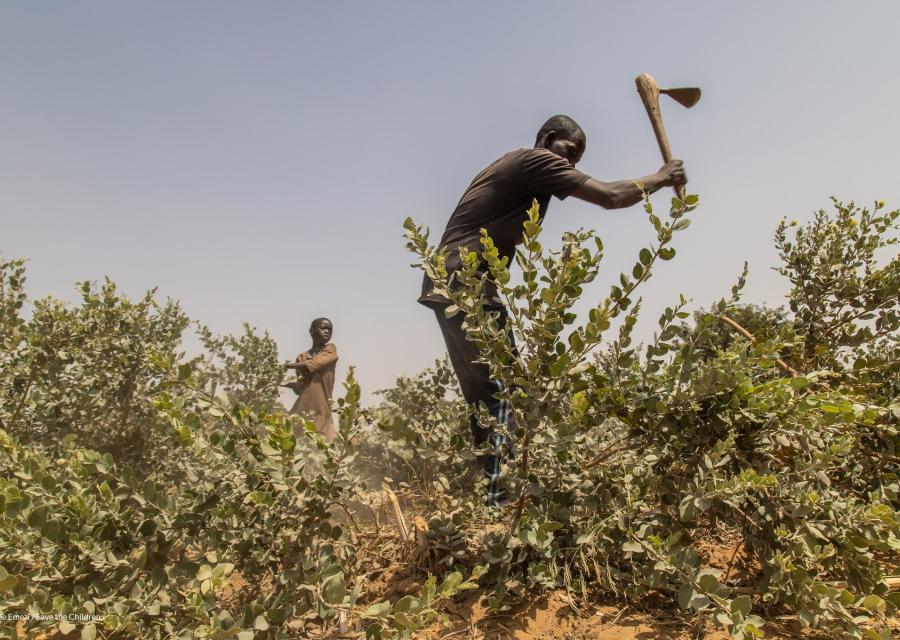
(552, 617)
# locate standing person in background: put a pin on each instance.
(315, 378)
(497, 201)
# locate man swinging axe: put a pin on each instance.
(497, 200)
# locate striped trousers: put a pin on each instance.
(478, 387)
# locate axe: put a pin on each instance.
(649, 92)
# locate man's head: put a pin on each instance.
(562, 135)
(320, 330)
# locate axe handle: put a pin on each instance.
(663, 140)
(650, 98)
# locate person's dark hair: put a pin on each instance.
(563, 125)
(312, 325)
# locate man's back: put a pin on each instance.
(497, 200)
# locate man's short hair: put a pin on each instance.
(563, 125)
(312, 325)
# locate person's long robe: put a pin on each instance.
(315, 393)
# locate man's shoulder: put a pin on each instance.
(526, 152)
(532, 159)
(518, 161)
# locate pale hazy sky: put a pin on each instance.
(255, 160)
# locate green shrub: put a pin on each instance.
(420, 435)
(172, 497)
(624, 461)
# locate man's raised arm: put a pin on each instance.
(624, 193)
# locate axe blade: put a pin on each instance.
(685, 96)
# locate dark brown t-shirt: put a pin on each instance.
(497, 200)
